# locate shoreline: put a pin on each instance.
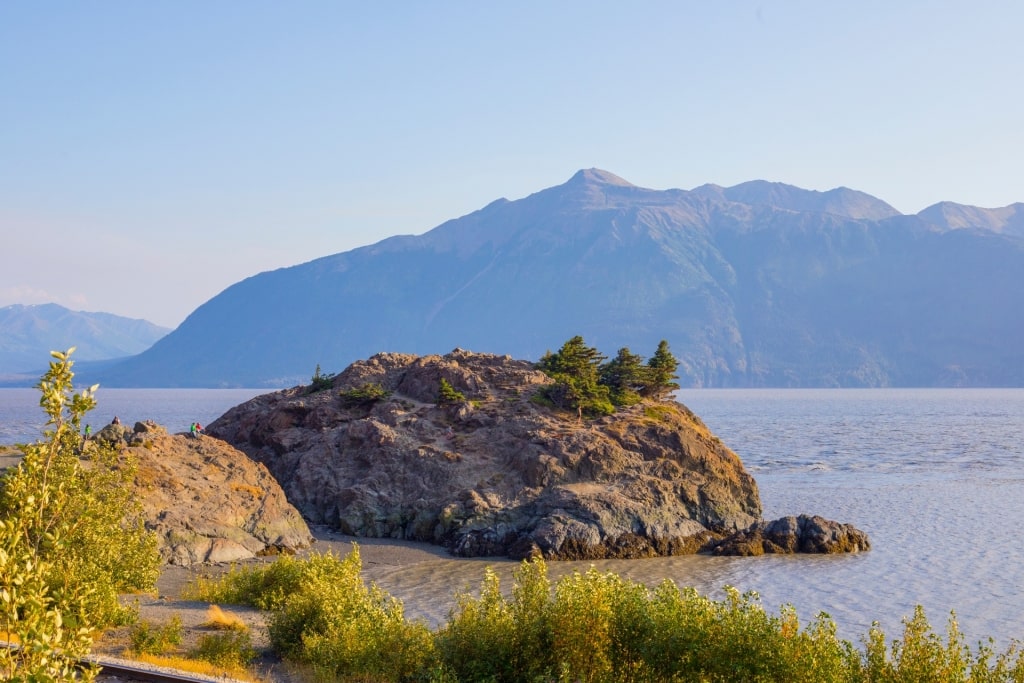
(374, 552)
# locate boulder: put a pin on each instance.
(207, 501)
(803, 534)
(497, 474)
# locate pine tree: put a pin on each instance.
(625, 376)
(576, 371)
(662, 368)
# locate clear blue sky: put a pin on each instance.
(154, 153)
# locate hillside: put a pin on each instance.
(29, 333)
(763, 284)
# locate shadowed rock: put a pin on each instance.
(803, 534)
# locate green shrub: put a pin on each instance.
(263, 587)
(363, 395)
(229, 649)
(71, 539)
(147, 638)
(448, 394)
(591, 627)
(341, 626)
(478, 644)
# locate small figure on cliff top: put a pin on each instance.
(195, 429)
(116, 420)
(88, 432)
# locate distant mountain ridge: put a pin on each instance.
(1006, 220)
(29, 332)
(761, 284)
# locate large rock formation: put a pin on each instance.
(497, 474)
(206, 501)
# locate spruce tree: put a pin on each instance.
(625, 376)
(575, 369)
(662, 368)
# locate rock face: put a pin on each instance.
(497, 474)
(206, 501)
(803, 534)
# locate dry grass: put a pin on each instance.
(254, 491)
(216, 618)
(198, 666)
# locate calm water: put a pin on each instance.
(936, 478)
(22, 420)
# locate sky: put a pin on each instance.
(154, 153)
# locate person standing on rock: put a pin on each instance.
(192, 431)
(116, 420)
(88, 432)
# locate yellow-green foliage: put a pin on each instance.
(659, 413)
(341, 626)
(264, 587)
(229, 649)
(152, 639)
(71, 539)
(599, 627)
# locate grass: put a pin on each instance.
(218, 619)
(199, 666)
(254, 491)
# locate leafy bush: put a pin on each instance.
(71, 539)
(229, 649)
(147, 638)
(596, 626)
(264, 587)
(344, 628)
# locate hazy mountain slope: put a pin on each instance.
(841, 201)
(951, 216)
(29, 333)
(748, 293)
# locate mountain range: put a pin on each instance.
(761, 284)
(29, 333)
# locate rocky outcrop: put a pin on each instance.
(207, 501)
(496, 474)
(803, 534)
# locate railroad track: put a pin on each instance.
(123, 671)
(127, 671)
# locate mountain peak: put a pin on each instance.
(596, 176)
